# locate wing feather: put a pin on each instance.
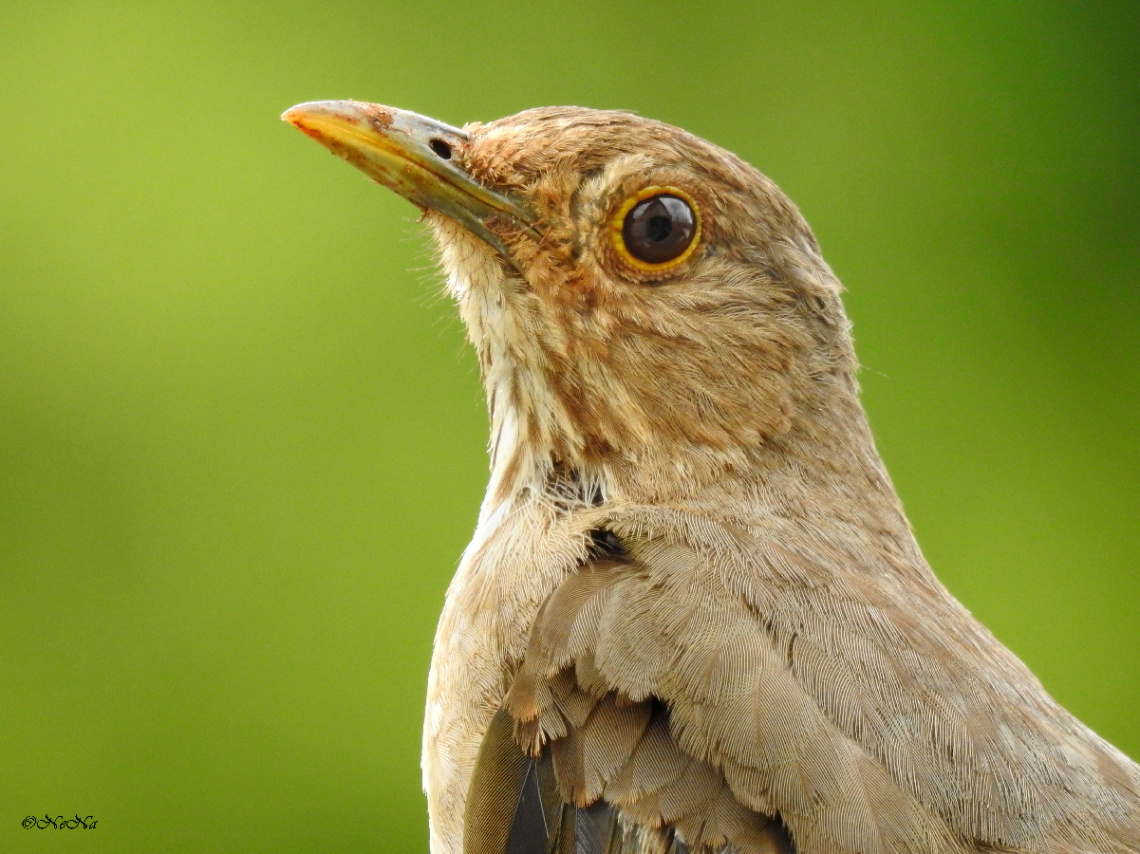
(708, 693)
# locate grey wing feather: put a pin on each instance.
(660, 687)
(514, 807)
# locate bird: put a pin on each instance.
(694, 617)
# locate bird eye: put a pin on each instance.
(657, 229)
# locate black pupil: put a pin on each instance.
(659, 229)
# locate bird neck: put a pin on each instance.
(822, 470)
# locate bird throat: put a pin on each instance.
(532, 446)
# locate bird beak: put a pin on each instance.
(419, 158)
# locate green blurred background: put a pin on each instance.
(242, 443)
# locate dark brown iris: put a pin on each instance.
(658, 229)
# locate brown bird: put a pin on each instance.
(694, 617)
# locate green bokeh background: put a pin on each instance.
(242, 444)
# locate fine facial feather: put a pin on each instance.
(693, 588)
(660, 386)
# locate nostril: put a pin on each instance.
(441, 148)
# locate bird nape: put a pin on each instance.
(694, 617)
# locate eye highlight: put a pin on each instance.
(656, 229)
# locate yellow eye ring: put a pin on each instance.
(660, 224)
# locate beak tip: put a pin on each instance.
(297, 114)
(307, 112)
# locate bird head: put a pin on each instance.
(650, 312)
